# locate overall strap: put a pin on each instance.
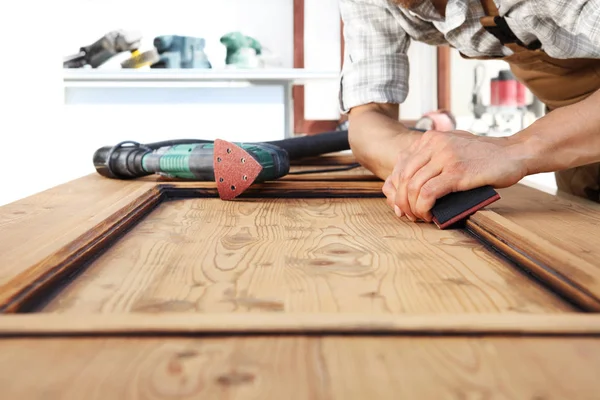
(490, 8)
(497, 26)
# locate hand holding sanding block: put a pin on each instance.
(457, 206)
(236, 169)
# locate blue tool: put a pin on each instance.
(181, 52)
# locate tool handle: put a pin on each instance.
(120, 162)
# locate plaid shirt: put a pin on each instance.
(377, 34)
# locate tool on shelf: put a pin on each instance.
(236, 166)
(242, 51)
(110, 45)
(181, 52)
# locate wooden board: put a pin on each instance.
(337, 230)
(276, 367)
(297, 256)
(37, 261)
(36, 227)
(553, 236)
(307, 287)
(565, 221)
(357, 324)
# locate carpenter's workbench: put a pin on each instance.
(308, 287)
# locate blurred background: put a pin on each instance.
(81, 74)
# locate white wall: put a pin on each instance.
(32, 154)
(322, 51)
(422, 95)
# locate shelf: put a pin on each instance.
(89, 77)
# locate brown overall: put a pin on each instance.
(556, 83)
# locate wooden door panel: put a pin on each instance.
(278, 367)
(44, 249)
(556, 237)
(307, 287)
(347, 253)
(36, 228)
(204, 255)
(570, 223)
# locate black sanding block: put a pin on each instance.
(457, 206)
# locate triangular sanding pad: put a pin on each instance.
(235, 169)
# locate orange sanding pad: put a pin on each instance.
(235, 169)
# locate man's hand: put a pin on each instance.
(439, 163)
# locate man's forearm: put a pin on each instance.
(565, 138)
(376, 137)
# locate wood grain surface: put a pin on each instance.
(352, 175)
(74, 239)
(564, 272)
(300, 368)
(33, 228)
(568, 222)
(289, 296)
(40, 234)
(297, 255)
(184, 323)
(558, 233)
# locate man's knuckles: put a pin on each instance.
(413, 188)
(404, 178)
(426, 195)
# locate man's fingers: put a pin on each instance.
(389, 191)
(398, 211)
(432, 190)
(402, 180)
(415, 185)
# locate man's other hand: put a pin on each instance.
(439, 163)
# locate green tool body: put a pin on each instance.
(196, 161)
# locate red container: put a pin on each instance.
(503, 90)
(494, 92)
(521, 95)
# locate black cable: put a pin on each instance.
(297, 147)
(157, 145)
(314, 145)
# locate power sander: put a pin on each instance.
(236, 166)
(233, 166)
(108, 46)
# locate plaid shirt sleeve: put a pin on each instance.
(376, 65)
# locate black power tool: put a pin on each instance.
(236, 166)
(108, 46)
